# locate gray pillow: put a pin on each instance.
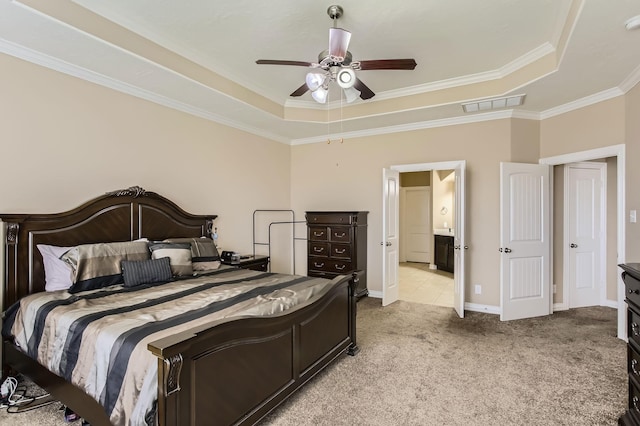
(146, 271)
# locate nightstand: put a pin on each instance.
(255, 263)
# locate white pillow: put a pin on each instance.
(57, 274)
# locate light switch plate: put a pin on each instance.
(632, 216)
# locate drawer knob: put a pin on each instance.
(318, 249)
(318, 265)
(318, 234)
(635, 329)
(636, 291)
(341, 235)
(338, 251)
(340, 267)
(634, 365)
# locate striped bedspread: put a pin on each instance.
(98, 339)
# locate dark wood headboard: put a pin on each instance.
(122, 215)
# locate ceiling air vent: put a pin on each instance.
(494, 103)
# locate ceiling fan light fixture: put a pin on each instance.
(351, 94)
(320, 95)
(314, 80)
(346, 78)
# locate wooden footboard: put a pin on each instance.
(238, 371)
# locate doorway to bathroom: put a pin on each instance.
(427, 224)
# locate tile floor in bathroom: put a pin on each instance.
(420, 284)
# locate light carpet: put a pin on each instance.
(422, 365)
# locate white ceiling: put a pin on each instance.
(199, 56)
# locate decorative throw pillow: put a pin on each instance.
(146, 271)
(204, 254)
(179, 255)
(57, 274)
(98, 265)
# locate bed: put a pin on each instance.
(222, 370)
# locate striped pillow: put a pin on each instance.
(98, 265)
(204, 254)
(146, 271)
(179, 255)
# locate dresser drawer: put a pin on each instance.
(318, 249)
(328, 265)
(341, 251)
(633, 363)
(329, 217)
(318, 233)
(632, 287)
(340, 234)
(633, 326)
(634, 399)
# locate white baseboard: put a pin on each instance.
(487, 309)
(375, 294)
(565, 307)
(472, 307)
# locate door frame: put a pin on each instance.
(443, 165)
(602, 247)
(617, 151)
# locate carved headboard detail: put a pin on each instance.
(121, 215)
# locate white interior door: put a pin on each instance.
(390, 221)
(416, 224)
(584, 236)
(525, 214)
(459, 242)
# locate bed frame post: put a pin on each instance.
(353, 287)
(9, 286)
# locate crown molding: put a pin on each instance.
(581, 103)
(631, 80)
(467, 119)
(54, 64)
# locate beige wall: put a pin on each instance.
(349, 176)
(443, 194)
(65, 141)
(409, 179)
(558, 232)
(525, 141)
(591, 127)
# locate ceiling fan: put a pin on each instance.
(337, 64)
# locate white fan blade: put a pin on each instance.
(338, 43)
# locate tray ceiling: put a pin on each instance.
(199, 57)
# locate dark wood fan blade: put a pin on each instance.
(300, 90)
(279, 62)
(365, 92)
(388, 64)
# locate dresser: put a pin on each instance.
(337, 244)
(631, 277)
